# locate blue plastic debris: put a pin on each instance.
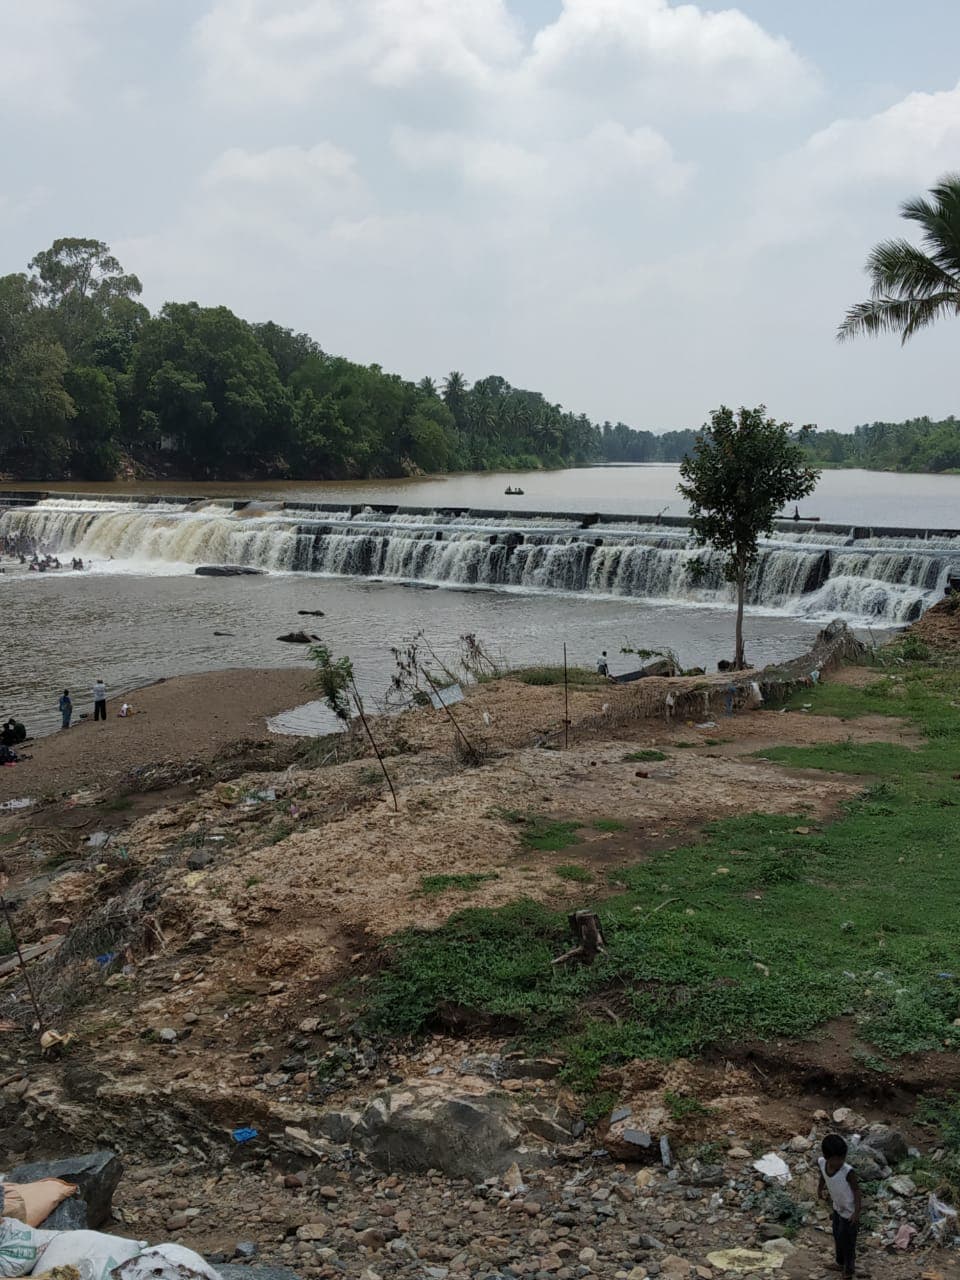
(105, 959)
(244, 1135)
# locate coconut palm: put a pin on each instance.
(914, 286)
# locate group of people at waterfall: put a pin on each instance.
(32, 553)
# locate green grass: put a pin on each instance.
(681, 1106)
(571, 871)
(639, 757)
(608, 824)
(577, 677)
(6, 942)
(549, 835)
(856, 919)
(431, 885)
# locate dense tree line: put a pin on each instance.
(916, 445)
(91, 383)
(621, 443)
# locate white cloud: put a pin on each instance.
(291, 51)
(904, 148)
(321, 172)
(646, 52)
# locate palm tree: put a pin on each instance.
(912, 286)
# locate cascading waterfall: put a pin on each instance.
(883, 579)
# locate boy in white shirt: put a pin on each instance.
(839, 1184)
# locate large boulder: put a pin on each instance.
(95, 1175)
(427, 1125)
(887, 1142)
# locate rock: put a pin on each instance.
(309, 1025)
(226, 571)
(902, 1185)
(259, 1271)
(868, 1164)
(799, 1143)
(95, 1176)
(779, 1244)
(296, 637)
(624, 1141)
(644, 1178)
(245, 1249)
(312, 1231)
(489, 1065)
(433, 1125)
(529, 1068)
(338, 1126)
(705, 1175)
(311, 613)
(177, 1222)
(738, 1153)
(199, 859)
(887, 1141)
(371, 1238)
(167, 1035)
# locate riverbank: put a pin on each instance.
(287, 952)
(186, 718)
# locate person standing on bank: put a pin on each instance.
(66, 709)
(603, 668)
(839, 1185)
(100, 700)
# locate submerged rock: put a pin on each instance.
(227, 571)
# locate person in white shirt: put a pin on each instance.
(100, 700)
(839, 1184)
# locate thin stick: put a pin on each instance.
(23, 964)
(373, 742)
(453, 720)
(566, 701)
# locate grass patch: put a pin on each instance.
(577, 677)
(6, 942)
(431, 885)
(681, 1106)
(609, 824)
(647, 755)
(549, 835)
(855, 920)
(571, 871)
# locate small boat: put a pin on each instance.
(513, 493)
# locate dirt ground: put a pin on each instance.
(189, 717)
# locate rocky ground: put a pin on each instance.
(206, 948)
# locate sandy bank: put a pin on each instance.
(188, 717)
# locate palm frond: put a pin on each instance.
(900, 269)
(896, 315)
(940, 220)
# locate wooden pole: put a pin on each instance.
(566, 701)
(373, 742)
(23, 964)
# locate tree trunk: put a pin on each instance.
(586, 928)
(739, 661)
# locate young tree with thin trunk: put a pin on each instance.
(744, 469)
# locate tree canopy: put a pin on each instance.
(744, 469)
(92, 384)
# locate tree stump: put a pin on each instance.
(585, 926)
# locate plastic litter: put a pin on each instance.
(166, 1262)
(93, 1253)
(244, 1135)
(20, 1247)
(743, 1261)
(9, 806)
(97, 839)
(707, 724)
(939, 1215)
(773, 1168)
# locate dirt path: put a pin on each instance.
(190, 717)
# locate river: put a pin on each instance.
(523, 585)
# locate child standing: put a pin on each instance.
(839, 1184)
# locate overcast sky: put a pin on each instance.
(642, 209)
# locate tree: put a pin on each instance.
(34, 405)
(744, 468)
(913, 287)
(80, 282)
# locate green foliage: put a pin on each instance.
(744, 470)
(682, 1107)
(855, 919)
(333, 680)
(431, 885)
(572, 871)
(609, 824)
(918, 444)
(648, 755)
(577, 677)
(6, 941)
(914, 286)
(201, 392)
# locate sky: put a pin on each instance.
(642, 209)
